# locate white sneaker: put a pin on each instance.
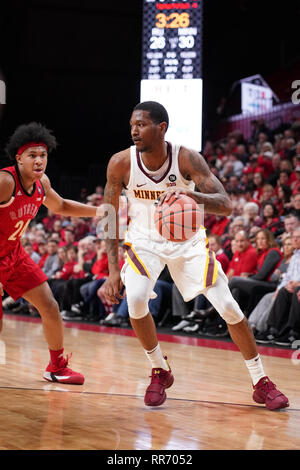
(8, 301)
(76, 308)
(110, 316)
(181, 325)
(191, 329)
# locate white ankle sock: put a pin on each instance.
(156, 358)
(255, 369)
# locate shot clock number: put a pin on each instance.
(174, 21)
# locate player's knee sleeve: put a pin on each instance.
(221, 298)
(231, 311)
(137, 305)
(138, 293)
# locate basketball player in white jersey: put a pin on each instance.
(152, 169)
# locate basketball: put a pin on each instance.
(178, 219)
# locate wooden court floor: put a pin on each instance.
(209, 407)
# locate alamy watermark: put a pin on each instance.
(2, 92)
(296, 94)
(183, 220)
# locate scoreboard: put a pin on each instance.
(172, 65)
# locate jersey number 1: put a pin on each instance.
(21, 227)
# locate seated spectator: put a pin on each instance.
(270, 217)
(220, 225)
(290, 223)
(42, 251)
(182, 309)
(283, 199)
(244, 261)
(239, 223)
(81, 228)
(283, 323)
(259, 182)
(251, 214)
(258, 317)
(69, 260)
(264, 160)
(33, 255)
(268, 194)
(69, 293)
(248, 290)
(284, 179)
(273, 177)
(158, 306)
(68, 238)
(52, 262)
(295, 207)
(88, 306)
(58, 228)
(295, 186)
(49, 220)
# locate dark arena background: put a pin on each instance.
(76, 66)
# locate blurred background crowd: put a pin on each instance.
(258, 246)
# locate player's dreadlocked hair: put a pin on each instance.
(156, 111)
(32, 132)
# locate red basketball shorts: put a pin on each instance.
(19, 274)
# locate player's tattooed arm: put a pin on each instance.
(112, 193)
(209, 190)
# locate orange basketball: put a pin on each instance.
(178, 219)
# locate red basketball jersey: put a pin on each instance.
(17, 213)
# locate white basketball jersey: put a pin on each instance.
(145, 187)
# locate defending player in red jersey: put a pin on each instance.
(23, 188)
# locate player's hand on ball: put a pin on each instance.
(165, 196)
(112, 288)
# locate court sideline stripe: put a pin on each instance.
(185, 340)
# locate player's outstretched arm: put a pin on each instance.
(209, 190)
(61, 206)
(7, 186)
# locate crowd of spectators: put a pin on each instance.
(256, 246)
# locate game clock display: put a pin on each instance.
(172, 39)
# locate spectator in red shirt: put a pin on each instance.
(42, 251)
(270, 217)
(296, 183)
(68, 238)
(268, 194)
(244, 260)
(284, 178)
(258, 181)
(250, 289)
(81, 228)
(220, 224)
(215, 245)
(264, 160)
(58, 282)
(283, 200)
(87, 307)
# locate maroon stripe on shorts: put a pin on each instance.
(210, 269)
(135, 260)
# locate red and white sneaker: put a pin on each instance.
(63, 374)
(160, 380)
(266, 392)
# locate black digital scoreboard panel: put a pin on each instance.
(172, 39)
